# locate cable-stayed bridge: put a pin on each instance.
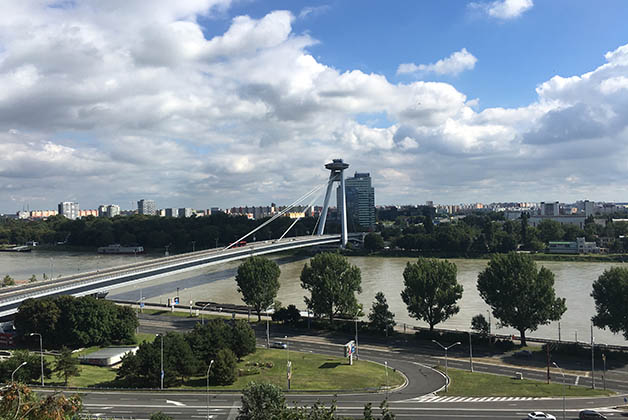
(104, 280)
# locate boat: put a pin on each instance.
(21, 248)
(119, 249)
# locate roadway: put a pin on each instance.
(407, 402)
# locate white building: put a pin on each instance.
(69, 209)
(146, 207)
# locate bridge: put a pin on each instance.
(104, 280)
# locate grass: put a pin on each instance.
(311, 372)
(467, 384)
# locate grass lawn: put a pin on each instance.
(467, 384)
(310, 372)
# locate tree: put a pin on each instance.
(373, 242)
(160, 416)
(261, 402)
(610, 293)
(224, 369)
(243, 339)
(258, 281)
(66, 365)
(290, 315)
(19, 401)
(29, 373)
(332, 283)
(520, 295)
(8, 281)
(480, 325)
(380, 318)
(206, 340)
(32, 279)
(431, 290)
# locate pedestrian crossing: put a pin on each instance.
(437, 399)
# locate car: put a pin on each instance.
(540, 415)
(590, 414)
(524, 354)
(278, 345)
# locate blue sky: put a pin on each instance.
(204, 103)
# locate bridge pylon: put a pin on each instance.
(337, 167)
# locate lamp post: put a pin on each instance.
(210, 366)
(446, 348)
(16, 369)
(357, 351)
(161, 386)
(562, 373)
(470, 352)
(41, 354)
(288, 366)
(202, 309)
(267, 330)
(489, 324)
(386, 368)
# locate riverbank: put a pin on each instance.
(539, 256)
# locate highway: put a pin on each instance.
(104, 280)
(411, 401)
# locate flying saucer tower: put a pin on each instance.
(337, 167)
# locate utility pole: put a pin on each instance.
(592, 359)
(547, 348)
(470, 352)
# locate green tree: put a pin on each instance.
(28, 373)
(332, 283)
(261, 402)
(8, 281)
(66, 365)
(160, 416)
(223, 371)
(373, 242)
(18, 401)
(206, 340)
(258, 281)
(550, 230)
(243, 339)
(32, 279)
(520, 295)
(479, 324)
(380, 317)
(431, 290)
(610, 293)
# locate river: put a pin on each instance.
(216, 283)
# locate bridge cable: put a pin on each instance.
(281, 213)
(299, 218)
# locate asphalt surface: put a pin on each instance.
(408, 402)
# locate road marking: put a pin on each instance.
(177, 403)
(435, 399)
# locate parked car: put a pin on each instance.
(278, 345)
(536, 415)
(591, 414)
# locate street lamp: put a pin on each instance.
(489, 323)
(562, 373)
(446, 348)
(202, 309)
(470, 352)
(41, 354)
(288, 367)
(16, 369)
(386, 368)
(162, 361)
(210, 366)
(357, 352)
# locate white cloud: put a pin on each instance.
(455, 64)
(97, 107)
(504, 9)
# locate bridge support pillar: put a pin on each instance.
(337, 167)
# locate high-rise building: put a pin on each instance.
(146, 207)
(185, 212)
(113, 210)
(170, 212)
(69, 209)
(360, 197)
(549, 209)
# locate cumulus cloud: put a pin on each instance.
(504, 9)
(99, 108)
(455, 64)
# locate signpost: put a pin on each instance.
(350, 351)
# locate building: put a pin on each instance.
(172, 212)
(185, 212)
(360, 197)
(146, 207)
(549, 209)
(69, 209)
(113, 210)
(580, 246)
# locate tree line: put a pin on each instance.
(76, 321)
(151, 232)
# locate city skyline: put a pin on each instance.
(214, 102)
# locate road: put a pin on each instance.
(409, 402)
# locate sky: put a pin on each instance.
(220, 103)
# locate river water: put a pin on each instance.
(216, 283)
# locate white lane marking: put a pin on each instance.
(177, 403)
